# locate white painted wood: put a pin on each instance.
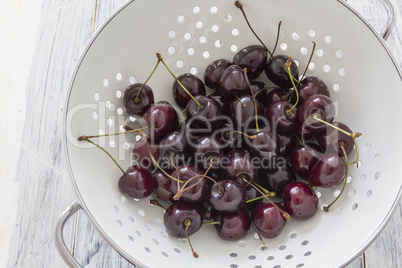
(65, 26)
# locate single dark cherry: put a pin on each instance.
(274, 180)
(254, 58)
(242, 111)
(312, 85)
(207, 150)
(331, 139)
(176, 118)
(233, 225)
(227, 196)
(214, 71)
(174, 147)
(300, 201)
(194, 193)
(141, 154)
(275, 71)
(192, 83)
(328, 171)
(239, 166)
(134, 105)
(206, 117)
(228, 137)
(317, 105)
(160, 119)
(136, 182)
(233, 82)
(282, 116)
(268, 220)
(162, 188)
(176, 215)
(303, 158)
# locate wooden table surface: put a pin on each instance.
(40, 44)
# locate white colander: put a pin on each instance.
(350, 57)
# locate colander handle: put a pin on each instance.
(58, 235)
(391, 19)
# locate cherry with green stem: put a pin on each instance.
(252, 94)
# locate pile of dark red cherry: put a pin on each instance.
(244, 155)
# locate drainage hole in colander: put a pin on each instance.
(304, 50)
(242, 244)
(367, 147)
(179, 63)
(342, 71)
(101, 132)
(215, 28)
(119, 76)
(187, 36)
(295, 35)
(157, 220)
(190, 51)
(376, 158)
(233, 255)
(105, 82)
(320, 52)
(117, 209)
(171, 50)
(218, 43)
(202, 39)
(300, 265)
(119, 111)
(147, 227)
(132, 80)
(359, 164)
(130, 238)
(227, 17)
(297, 62)
(311, 65)
(181, 18)
(147, 249)
(258, 266)
(336, 87)
(352, 193)
(363, 177)
(233, 266)
(141, 213)
(304, 243)
(233, 48)
(311, 32)
(199, 24)
(132, 119)
(264, 248)
(283, 46)
(350, 179)
(131, 218)
(288, 257)
(282, 247)
(354, 206)
(369, 193)
(164, 254)
(235, 32)
(339, 53)
(293, 235)
(338, 211)
(328, 39)
(252, 257)
(308, 253)
(119, 94)
(318, 194)
(196, 9)
(336, 193)
(164, 234)
(109, 121)
(119, 222)
(182, 240)
(270, 258)
(123, 199)
(172, 33)
(193, 70)
(277, 266)
(96, 96)
(327, 68)
(155, 241)
(177, 250)
(205, 54)
(95, 115)
(126, 146)
(214, 9)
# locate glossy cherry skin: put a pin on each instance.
(253, 58)
(282, 116)
(227, 137)
(274, 95)
(206, 117)
(162, 186)
(136, 182)
(160, 118)
(312, 85)
(192, 83)
(175, 216)
(319, 105)
(268, 220)
(263, 145)
(303, 133)
(330, 139)
(227, 196)
(142, 151)
(214, 71)
(233, 225)
(174, 146)
(205, 148)
(233, 82)
(285, 142)
(259, 89)
(252, 193)
(239, 166)
(300, 201)
(276, 72)
(328, 171)
(242, 111)
(303, 158)
(184, 173)
(274, 180)
(222, 101)
(138, 106)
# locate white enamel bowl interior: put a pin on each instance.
(350, 58)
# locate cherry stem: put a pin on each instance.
(155, 202)
(212, 223)
(298, 139)
(311, 56)
(271, 194)
(284, 213)
(159, 56)
(252, 94)
(144, 137)
(250, 137)
(187, 223)
(287, 68)
(277, 37)
(137, 99)
(240, 6)
(111, 157)
(244, 105)
(265, 88)
(326, 208)
(210, 93)
(353, 135)
(237, 145)
(129, 130)
(357, 154)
